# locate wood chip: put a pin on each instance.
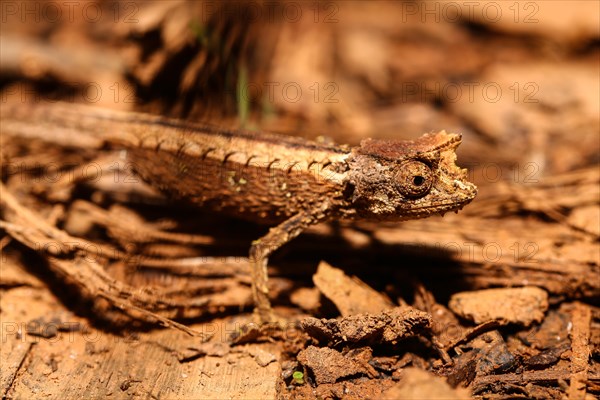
(329, 365)
(388, 326)
(349, 294)
(580, 336)
(517, 305)
(306, 298)
(419, 384)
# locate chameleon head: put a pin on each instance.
(397, 180)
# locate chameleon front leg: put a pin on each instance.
(261, 250)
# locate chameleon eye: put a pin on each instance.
(414, 179)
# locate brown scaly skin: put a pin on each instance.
(399, 180)
(289, 182)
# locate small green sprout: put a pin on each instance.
(298, 377)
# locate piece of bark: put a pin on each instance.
(488, 354)
(517, 305)
(464, 369)
(446, 327)
(580, 336)
(12, 357)
(306, 298)
(546, 358)
(474, 332)
(493, 354)
(419, 384)
(329, 365)
(101, 365)
(349, 294)
(261, 356)
(31, 229)
(389, 326)
(551, 333)
(12, 275)
(524, 378)
(214, 349)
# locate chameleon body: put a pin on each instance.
(288, 182)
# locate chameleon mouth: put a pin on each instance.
(441, 208)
